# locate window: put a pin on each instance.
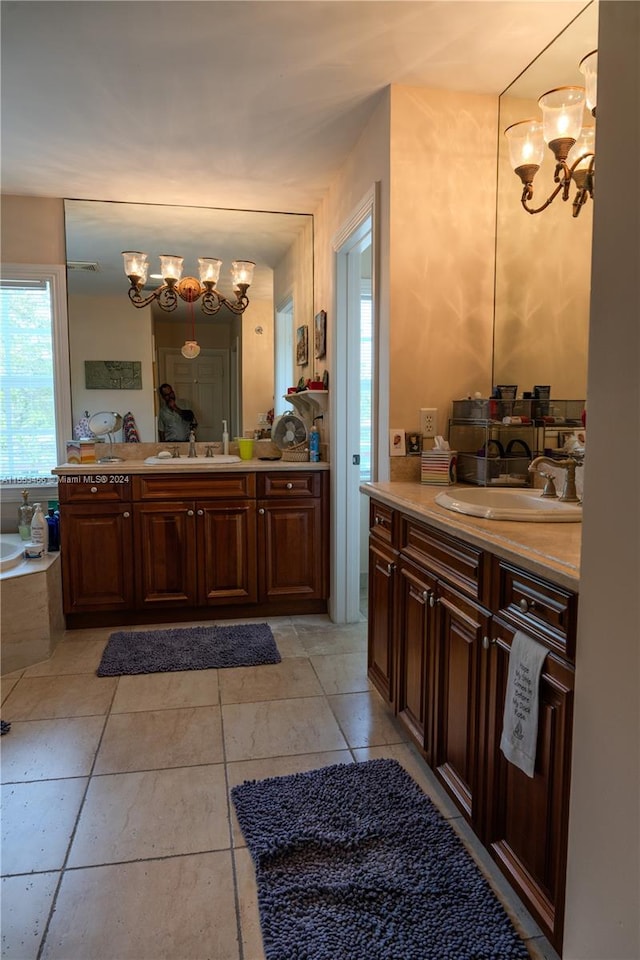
(35, 407)
(284, 370)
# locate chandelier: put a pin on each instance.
(571, 142)
(189, 289)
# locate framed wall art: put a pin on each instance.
(302, 346)
(320, 334)
(113, 375)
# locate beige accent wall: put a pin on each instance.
(32, 230)
(442, 202)
(257, 357)
(106, 328)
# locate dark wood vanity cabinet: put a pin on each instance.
(442, 615)
(188, 542)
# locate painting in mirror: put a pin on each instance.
(232, 377)
(543, 261)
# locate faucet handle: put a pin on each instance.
(549, 489)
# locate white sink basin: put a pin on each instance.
(218, 460)
(506, 504)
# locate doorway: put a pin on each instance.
(354, 409)
(201, 385)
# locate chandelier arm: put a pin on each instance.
(211, 302)
(167, 298)
(137, 299)
(238, 307)
(544, 206)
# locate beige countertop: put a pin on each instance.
(550, 550)
(183, 465)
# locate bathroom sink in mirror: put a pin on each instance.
(543, 261)
(505, 504)
(233, 377)
(217, 460)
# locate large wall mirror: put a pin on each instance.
(543, 261)
(233, 377)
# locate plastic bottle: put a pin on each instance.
(39, 529)
(53, 523)
(225, 438)
(25, 515)
(314, 444)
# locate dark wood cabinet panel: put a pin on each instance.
(226, 549)
(97, 557)
(166, 554)
(526, 828)
(458, 734)
(291, 549)
(380, 626)
(415, 653)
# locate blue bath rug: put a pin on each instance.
(354, 862)
(188, 648)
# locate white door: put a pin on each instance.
(353, 405)
(202, 385)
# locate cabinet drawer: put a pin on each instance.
(202, 486)
(289, 484)
(543, 609)
(98, 488)
(381, 522)
(463, 565)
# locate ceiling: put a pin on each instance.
(232, 104)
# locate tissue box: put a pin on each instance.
(438, 467)
(87, 451)
(73, 451)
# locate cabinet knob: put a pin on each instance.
(433, 599)
(189, 513)
(488, 642)
(390, 568)
(94, 489)
(526, 605)
(201, 513)
(376, 521)
(261, 510)
(126, 514)
(289, 486)
(426, 596)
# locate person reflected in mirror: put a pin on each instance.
(174, 422)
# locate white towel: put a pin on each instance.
(520, 721)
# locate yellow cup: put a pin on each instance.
(245, 447)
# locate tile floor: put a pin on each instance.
(119, 841)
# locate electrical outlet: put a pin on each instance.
(428, 422)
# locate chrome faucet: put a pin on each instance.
(569, 494)
(192, 445)
(208, 451)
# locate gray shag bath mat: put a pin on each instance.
(188, 648)
(354, 862)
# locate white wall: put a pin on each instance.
(603, 896)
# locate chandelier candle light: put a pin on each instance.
(561, 128)
(189, 289)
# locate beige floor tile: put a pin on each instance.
(333, 638)
(89, 633)
(8, 683)
(163, 691)
(277, 767)
(274, 681)
(24, 907)
(365, 720)
(78, 657)
(415, 766)
(157, 739)
(248, 906)
(38, 698)
(176, 909)
(287, 640)
(275, 728)
(342, 672)
(50, 749)
(37, 823)
(158, 813)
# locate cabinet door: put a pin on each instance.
(415, 653)
(291, 549)
(165, 554)
(226, 539)
(381, 651)
(527, 817)
(459, 672)
(97, 557)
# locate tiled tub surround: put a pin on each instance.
(31, 601)
(119, 838)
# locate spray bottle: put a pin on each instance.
(314, 443)
(225, 438)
